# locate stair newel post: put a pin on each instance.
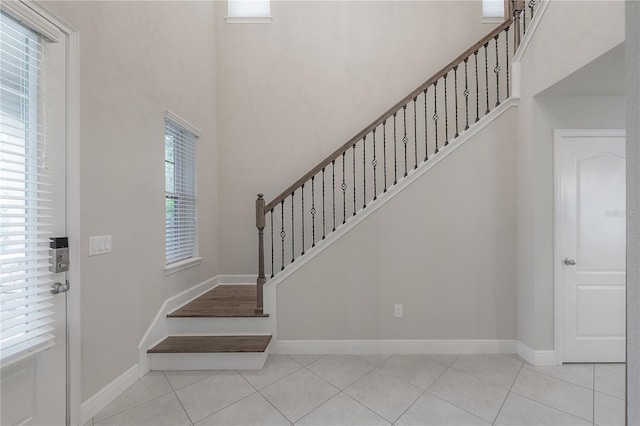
(260, 224)
(518, 7)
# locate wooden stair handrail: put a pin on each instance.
(513, 9)
(386, 115)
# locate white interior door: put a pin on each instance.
(590, 245)
(32, 138)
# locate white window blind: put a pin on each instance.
(24, 204)
(180, 192)
(493, 8)
(249, 8)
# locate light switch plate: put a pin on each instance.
(99, 245)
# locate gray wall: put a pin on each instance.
(136, 60)
(633, 204)
(596, 28)
(445, 247)
(291, 92)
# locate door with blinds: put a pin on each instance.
(33, 340)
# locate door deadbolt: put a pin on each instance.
(569, 262)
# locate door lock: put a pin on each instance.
(569, 262)
(59, 252)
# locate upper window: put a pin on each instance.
(180, 190)
(249, 11)
(493, 11)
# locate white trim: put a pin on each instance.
(159, 328)
(209, 361)
(182, 123)
(537, 358)
(105, 396)
(182, 265)
(35, 17)
(361, 347)
(402, 184)
(558, 270)
(540, 9)
(524, 43)
(247, 19)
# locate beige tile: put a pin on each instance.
(275, 368)
(432, 411)
(492, 370)
(611, 383)
(153, 385)
(213, 393)
(165, 410)
(340, 370)
(445, 359)
(375, 360)
(477, 397)
(384, 393)
(253, 410)
(418, 370)
(518, 410)
(609, 411)
(578, 374)
(298, 394)
(618, 367)
(306, 359)
(344, 411)
(564, 396)
(179, 379)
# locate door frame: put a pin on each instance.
(41, 19)
(560, 135)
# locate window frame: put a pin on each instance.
(175, 123)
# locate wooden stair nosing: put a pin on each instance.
(222, 301)
(212, 344)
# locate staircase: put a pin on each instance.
(226, 327)
(218, 330)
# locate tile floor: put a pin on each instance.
(377, 390)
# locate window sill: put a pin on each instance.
(248, 19)
(182, 265)
(492, 19)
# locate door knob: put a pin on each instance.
(569, 262)
(59, 288)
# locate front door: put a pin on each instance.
(590, 245)
(33, 340)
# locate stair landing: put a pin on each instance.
(222, 301)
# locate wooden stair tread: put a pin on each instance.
(212, 344)
(222, 301)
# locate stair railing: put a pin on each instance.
(389, 149)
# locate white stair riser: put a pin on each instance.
(208, 361)
(217, 325)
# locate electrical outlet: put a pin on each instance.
(398, 311)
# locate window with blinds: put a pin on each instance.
(24, 204)
(180, 192)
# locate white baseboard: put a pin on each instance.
(159, 330)
(360, 347)
(537, 358)
(106, 395)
